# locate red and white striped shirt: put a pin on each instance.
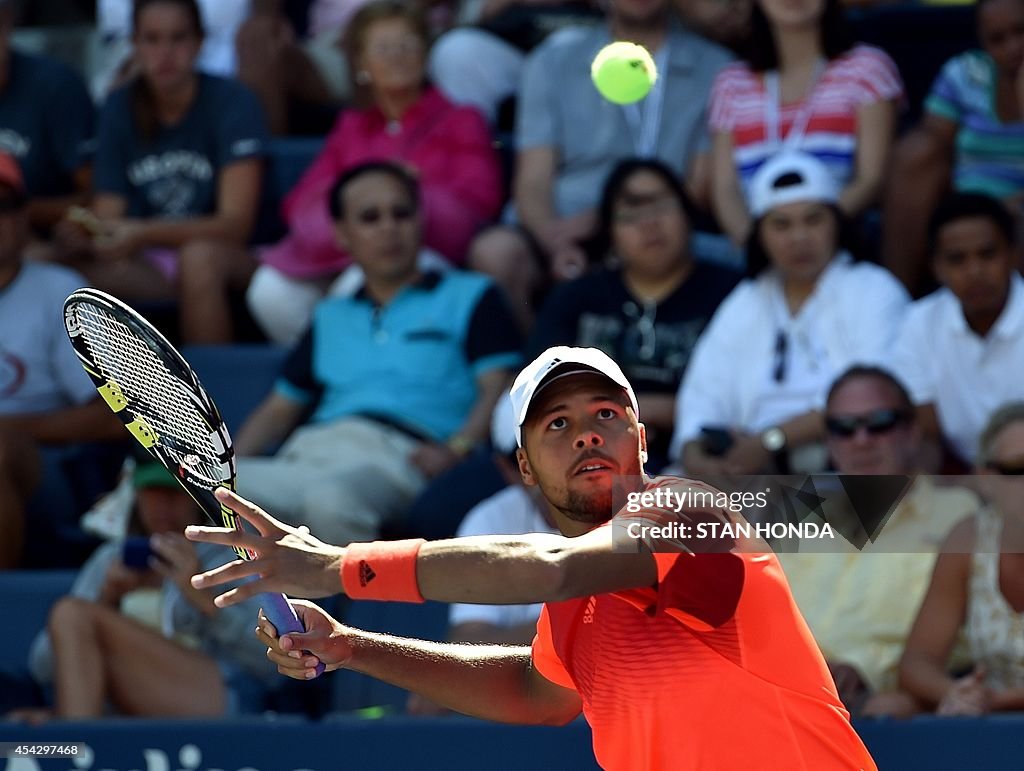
(740, 106)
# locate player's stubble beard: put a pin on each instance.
(598, 506)
(592, 509)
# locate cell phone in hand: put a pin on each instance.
(716, 440)
(87, 220)
(137, 552)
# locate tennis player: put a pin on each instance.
(681, 659)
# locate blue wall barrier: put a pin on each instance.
(452, 744)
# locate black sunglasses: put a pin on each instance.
(875, 422)
(1006, 469)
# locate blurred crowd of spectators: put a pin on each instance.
(794, 277)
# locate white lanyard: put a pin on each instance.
(773, 109)
(645, 123)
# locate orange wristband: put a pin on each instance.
(382, 570)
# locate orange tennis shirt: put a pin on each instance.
(712, 669)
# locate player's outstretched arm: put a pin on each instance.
(516, 569)
(492, 682)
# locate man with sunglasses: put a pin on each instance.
(859, 621)
(402, 373)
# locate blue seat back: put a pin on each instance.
(237, 377)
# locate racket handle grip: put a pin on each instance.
(282, 615)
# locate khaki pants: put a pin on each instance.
(342, 479)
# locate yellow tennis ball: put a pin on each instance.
(623, 72)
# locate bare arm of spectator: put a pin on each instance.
(92, 421)
(490, 386)
(659, 410)
(727, 201)
(920, 173)
(876, 124)
(237, 199)
(748, 454)
(533, 191)
(922, 669)
(698, 181)
(47, 212)
(269, 424)
(433, 458)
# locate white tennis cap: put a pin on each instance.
(809, 180)
(556, 363)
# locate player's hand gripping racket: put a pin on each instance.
(161, 402)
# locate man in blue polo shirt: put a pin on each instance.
(401, 377)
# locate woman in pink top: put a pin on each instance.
(448, 147)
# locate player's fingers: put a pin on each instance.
(269, 640)
(225, 536)
(233, 571)
(267, 625)
(239, 594)
(283, 659)
(248, 511)
(298, 674)
(294, 667)
(313, 642)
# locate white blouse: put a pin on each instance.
(757, 365)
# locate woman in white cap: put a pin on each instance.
(751, 398)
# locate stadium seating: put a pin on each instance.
(287, 159)
(237, 377)
(26, 597)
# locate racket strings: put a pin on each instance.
(152, 392)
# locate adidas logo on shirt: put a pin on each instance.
(588, 613)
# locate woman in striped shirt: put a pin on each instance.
(804, 86)
(971, 136)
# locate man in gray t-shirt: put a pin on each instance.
(569, 137)
(46, 399)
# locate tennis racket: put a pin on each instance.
(161, 402)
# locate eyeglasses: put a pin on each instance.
(407, 47)
(375, 215)
(632, 214)
(875, 423)
(1007, 469)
